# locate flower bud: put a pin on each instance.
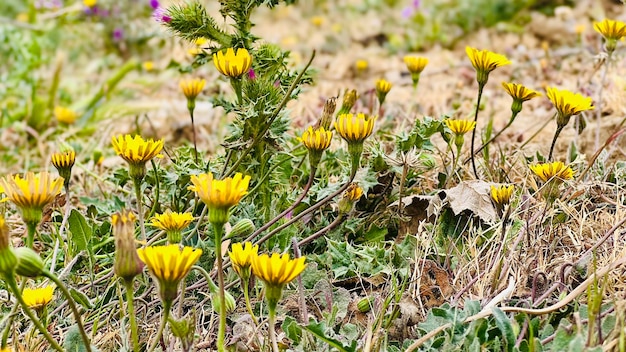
(230, 302)
(349, 99)
(8, 261)
(242, 228)
(365, 304)
(127, 263)
(29, 263)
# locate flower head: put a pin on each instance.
(63, 162)
(352, 194)
(316, 141)
(137, 152)
(567, 104)
(485, 61)
(612, 31)
(520, 94)
(127, 264)
(349, 99)
(173, 224)
(415, 65)
(65, 115)
(277, 270)
(169, 265)
(32, 193)
(361, 65)
(501, 194)
(220, 195)
(382, 88)
(460, 127)
(90, 3)
(38, 298)
(355, 128)
(192, 87)
(232, 63)
(555, 170)
(241, 256)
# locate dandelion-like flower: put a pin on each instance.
(32, 193)
(241, 256)
(278, 270)
(192, 87)
(361, 65)
(554, 170)
(37, 298)
(169, 265)
(137, 152)
(382, 89)
(355, 128)
(173, 224)
(415, 65)
(232, 63)
(485, 61)
(612, 31)
(220, 195)
(352, 194)
(520, 94)
(63, 162)
(65, 115)
(567, 104)
(316, 140)
(460, 127)
(501, 194)
(127, 264)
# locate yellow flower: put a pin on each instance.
(241, 256)
(65, 115)
(147, 66)
(460, 127)
(127, 264)
(38, 297)
(556, 170)
(220, 195)
(383, 86)
(137, 152)
(231, 63)
(63, 162)
(361, 65)
(192, 87)
(485, 61)
(520, 94)
(200, 41)
(316, 139)
(317, 21)
(567, 104)
(611, 30)
(501, 195)
(353, 193)
(90, 3)
(277, 270)
(415, 64)
(355, 128)
(173, 224)
(169, 265)
(32, 193)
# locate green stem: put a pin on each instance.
(130, 305)
(236, 83)
(10, 280)
(556, 135)
(32, 230)
(7, 328)
(140, 209)
(219, 232)
(480, 94)
(72, 304)
(272, 330)
(110, 84)
(166, 316)
(496, 135)
(193, 128)
(246, 295)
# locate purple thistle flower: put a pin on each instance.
(251, 74)
(154, 4)
(118, 34)
(160, 15)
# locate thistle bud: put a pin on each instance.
(127, 263)
(29, 263)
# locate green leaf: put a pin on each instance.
(504, 324)
(81, 298)
(79, 229)
(318, 331)
(292, 329)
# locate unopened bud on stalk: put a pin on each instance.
(242, 228)
(349, 99)
(327, 114)
(127, 263)
(29, 263)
